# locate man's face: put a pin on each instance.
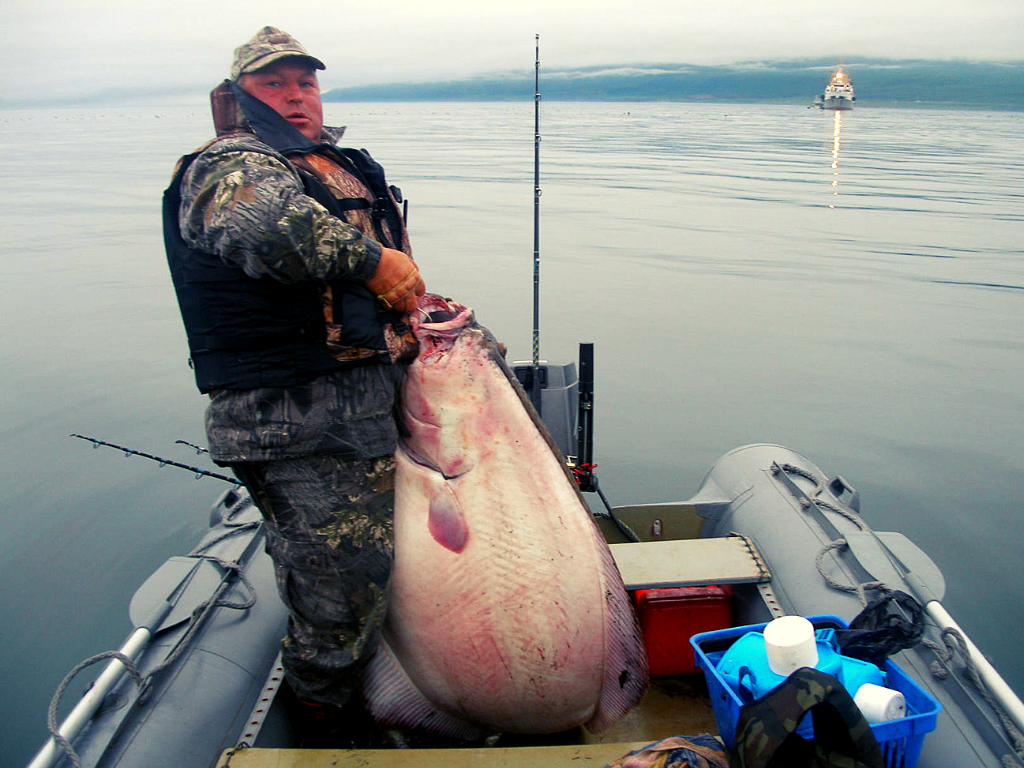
(291, 88)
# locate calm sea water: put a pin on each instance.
(851, 286)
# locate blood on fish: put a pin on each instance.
(446, 522)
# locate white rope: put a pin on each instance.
(860, 589)
(953, 643)
(51, 715)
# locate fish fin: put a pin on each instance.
(502, 364)
(626, 676)
(395, 701)
(447, 522)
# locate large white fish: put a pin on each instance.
(507, 612)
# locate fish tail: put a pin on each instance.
(626, 677)
(394, 700)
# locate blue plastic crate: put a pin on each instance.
(901, 740)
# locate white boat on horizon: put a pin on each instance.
(838, 93)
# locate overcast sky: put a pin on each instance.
(61, 49)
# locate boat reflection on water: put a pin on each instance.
(836, 129)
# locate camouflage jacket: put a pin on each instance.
(244, 202)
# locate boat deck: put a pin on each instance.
(673, 706)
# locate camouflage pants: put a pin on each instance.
(330, 533)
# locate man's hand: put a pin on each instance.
(397, 281)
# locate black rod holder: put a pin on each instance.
(585, 421)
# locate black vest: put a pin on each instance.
(245, 333)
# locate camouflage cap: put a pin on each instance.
(267, 46)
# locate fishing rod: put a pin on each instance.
(162, 461)
(198, 448)
(583, 470)
(535, 388)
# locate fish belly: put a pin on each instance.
(506, 612)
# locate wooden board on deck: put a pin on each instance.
(570, 756)
(689, 562)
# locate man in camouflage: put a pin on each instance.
(293, 272)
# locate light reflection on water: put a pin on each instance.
(836, 133)
(734, 289)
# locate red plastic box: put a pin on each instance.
(669, 617)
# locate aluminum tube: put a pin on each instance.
(90, 702)
(992, 679)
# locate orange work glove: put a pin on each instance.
(397, 281)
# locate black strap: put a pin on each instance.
(214, 341)
(352, 203)
(378, 212)
(766, 730)
(371, 174)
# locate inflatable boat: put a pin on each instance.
(766, 535)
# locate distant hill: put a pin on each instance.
(985, 85)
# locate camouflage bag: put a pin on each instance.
(766, 731)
